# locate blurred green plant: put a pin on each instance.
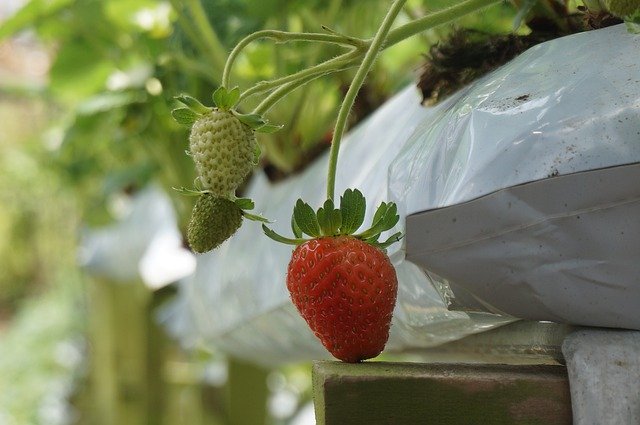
(41, 357)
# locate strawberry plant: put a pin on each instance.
(342, 283)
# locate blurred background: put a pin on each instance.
(86, 90)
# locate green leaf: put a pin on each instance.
(632, 22)
(294, 227)
(30, 14)
(193, 104)
(306, 219)
(226, 99)
(108, 101)
(184, 116)
(252, 120)
(79, 71)
(353, 207)
(278, 238)
(245, 203)
(269, 128)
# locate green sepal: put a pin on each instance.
(385, 218)
(226, 99)
(245, 203)
(306, 219)
(188, 192)
(295, 228)
(257, 122)
(278, 238)
(193, 104)
(269, 128)
(254, 121)
(353, 207)
(255, 217)
(184, 116)
(329, 218)
(257, 153)
(390, 241)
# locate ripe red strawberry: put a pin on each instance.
(342, 284)
(346, 291)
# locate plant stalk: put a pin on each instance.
(354, 88)
(284, 37)
(209, 36)
(435, 19)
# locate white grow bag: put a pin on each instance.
(524, 195)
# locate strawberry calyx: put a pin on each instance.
(329, 221)
(245, 204)
(223, 100)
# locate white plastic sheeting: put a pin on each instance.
(145, 243)
(524, 193)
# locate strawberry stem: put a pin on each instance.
(285, 37)
(354, 88)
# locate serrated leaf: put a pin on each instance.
(269, 128)
(184, 116)
(226, 99)
(295, 228)
(306, 219)
(353, 207)
(279, 238)
(252, 120)
(193, 104)
(245, 203)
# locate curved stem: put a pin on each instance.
(187, 27)
(337, 63)
(284, 37)
(354, 88)
(436, 18)
(285, 89)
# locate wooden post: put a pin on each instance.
(442, 394)
(118, 352)
(246, 394)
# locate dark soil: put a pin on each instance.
(467, 54)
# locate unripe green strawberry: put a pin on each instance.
(223, 149)
(622, 8)
(213, 221)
